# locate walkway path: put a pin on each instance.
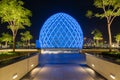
(62, 67)
(62, 72)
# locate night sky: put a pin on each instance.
(43, 9)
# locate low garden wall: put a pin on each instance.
(18, 69)
(109, 70)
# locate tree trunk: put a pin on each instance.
(94, 43)
(110, 38)
(28, 43)
(118, 43)
(13, 43)
(6, 44)
(97, 43)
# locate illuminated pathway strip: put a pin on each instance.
(20, 50)
(38, 50)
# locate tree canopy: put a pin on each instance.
(117, 38)
(97, 34)
(26, 37)
(6, 38)
(17, 17)
(110, 9)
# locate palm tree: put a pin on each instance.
(7, 38)
(117, 38)
(26, 36)
(97, 36)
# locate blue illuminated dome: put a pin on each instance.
(60, 31)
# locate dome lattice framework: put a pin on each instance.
(61, 31)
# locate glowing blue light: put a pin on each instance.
(61, 31)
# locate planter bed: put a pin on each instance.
(16, 68)
(105, 65)
(112, 57)
(6, 59)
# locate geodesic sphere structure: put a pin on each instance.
(61, 31)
